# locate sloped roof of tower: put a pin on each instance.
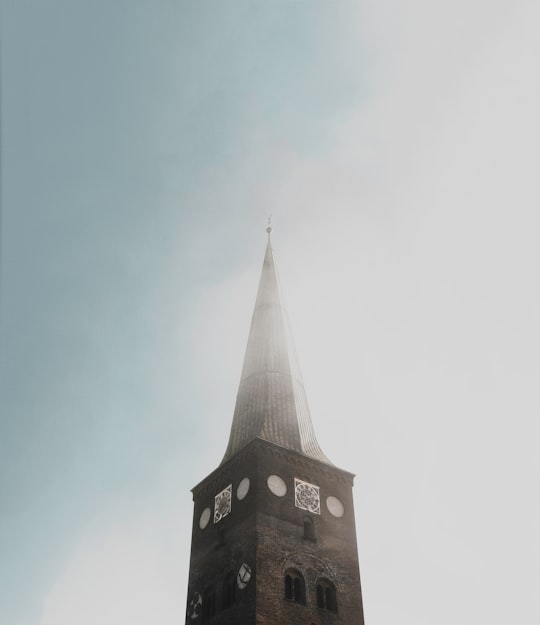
(271, 403)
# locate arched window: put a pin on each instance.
(309, 528)
(208, 604)
(295, 588)
(326, 596)
(228, 595)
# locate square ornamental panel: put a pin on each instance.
(306, 496)
(222, 503)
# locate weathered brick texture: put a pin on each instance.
(268, 533)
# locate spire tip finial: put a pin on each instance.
(269, 229)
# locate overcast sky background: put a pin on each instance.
(144, 144)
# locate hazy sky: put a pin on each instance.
(144, 144)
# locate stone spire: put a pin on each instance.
(271, 403)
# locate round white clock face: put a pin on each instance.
(277, 485)
(205, 517)
(243, 489)
(335, 506)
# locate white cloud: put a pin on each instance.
(409, 261)
(409, 258)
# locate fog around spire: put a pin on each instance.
(271, 401)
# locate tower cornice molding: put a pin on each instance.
(220, 474)
(259, 446)
(304, 463)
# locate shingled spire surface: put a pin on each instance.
(271, 403)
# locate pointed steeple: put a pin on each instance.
(271, 403)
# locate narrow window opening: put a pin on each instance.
(320, 596)
(295, 589)
(309, 529)
(326, 596)
(297, 594)
(330, 597)
(288, 588)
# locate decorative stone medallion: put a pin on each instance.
(204, 518)
(335, 506)
(243, 489)
(222, 503)
(244, 576)
(277, 485)
(306, 496)
(194, 606)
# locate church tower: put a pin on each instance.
(274, 539)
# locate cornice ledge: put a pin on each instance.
(304, 462)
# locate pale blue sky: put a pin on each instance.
(143, 146)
